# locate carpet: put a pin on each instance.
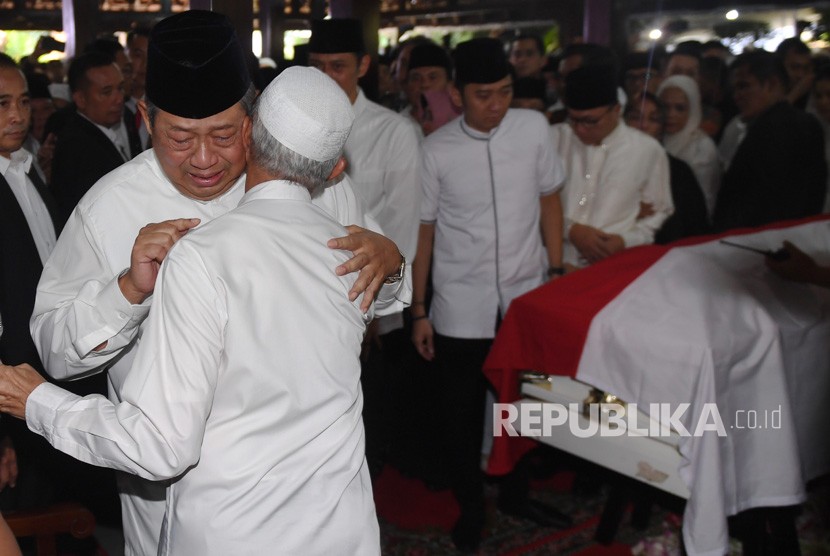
(416, 521)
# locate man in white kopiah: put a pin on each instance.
(246, 387)
(97, 287)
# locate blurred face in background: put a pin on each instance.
(677, 109)
(42, 108)
(681, 64)
(637, 80)
(752, 96)
(137, 53)
(799, 66)
(526, 58)
(101, 96)
(428, 78)
(643, 114)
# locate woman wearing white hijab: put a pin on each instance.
(684, 138)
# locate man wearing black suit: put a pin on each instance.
(27, 236)
(778, 172)
(96, 139)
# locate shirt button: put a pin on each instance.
(587, 176)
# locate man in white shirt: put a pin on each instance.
(611, 171)
(491, 180)
(245, 391)
(97, 287)
(383, 154)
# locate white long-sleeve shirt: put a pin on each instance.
(384, 159)
(79, 304)
(607, 182)
(245, 390)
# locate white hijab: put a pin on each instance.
(681, 144)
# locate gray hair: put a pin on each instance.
(247, 102)
(283, 163)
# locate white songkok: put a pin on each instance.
(305, 110)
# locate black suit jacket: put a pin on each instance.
(777, 173)
(20, 270)
(83, 155)
(690, 217)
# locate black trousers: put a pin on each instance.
(461, 395)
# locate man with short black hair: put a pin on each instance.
(611, 170)
(383, 154)
(684, 60)
(245, 390)
(97, 288)
(94, 140)
(778, 170)
(430, 71)
(28, 228)
(527, 56)
(491, 225)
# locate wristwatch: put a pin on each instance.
(398, 276)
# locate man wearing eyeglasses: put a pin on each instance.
(611, 169)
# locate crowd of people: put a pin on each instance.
(314, 242)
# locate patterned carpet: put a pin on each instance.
(415, 521)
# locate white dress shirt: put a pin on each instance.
(14, 169)
(481, 190)
(607, 182)
(245, 390)
(384, 158)
(80, 306)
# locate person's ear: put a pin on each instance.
(142, 109)
(79, 98)
(338, 169)
(456, 96)
(363, 65)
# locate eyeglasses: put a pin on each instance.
(588, 121)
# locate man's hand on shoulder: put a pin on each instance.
(375, 256)
(16, 384)
(151, 246)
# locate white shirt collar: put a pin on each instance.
(20, 158)
(476, 134)
(277, 189)
(360, 103)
